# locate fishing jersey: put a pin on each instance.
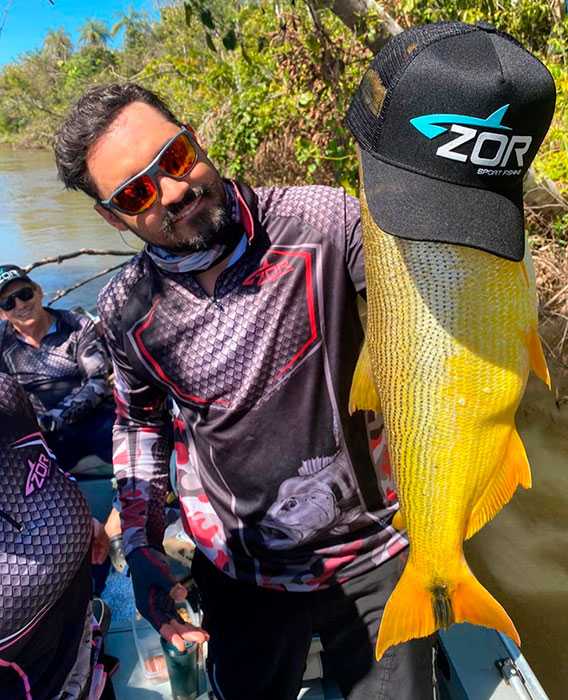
(67, 373)
(45, 535)
(275, 480)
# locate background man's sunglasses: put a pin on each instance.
(138, 193)
(23, 294)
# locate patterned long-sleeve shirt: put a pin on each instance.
(45, 536)
(68, 372)
(276, 482)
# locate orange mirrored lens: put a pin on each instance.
(137, 196)
(178, 159)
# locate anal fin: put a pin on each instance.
(363, 396)
(514, 471)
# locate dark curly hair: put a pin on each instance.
(90, 117)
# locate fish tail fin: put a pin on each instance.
(473, 603)
(363, 396)
(415, 610)
(515, 471)
(537, 359)
(408, 612)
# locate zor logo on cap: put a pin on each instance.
(9, 275)
(505, 147)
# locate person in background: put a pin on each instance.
(242, 308)
(50, 628)
(63, 366)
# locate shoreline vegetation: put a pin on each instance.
(267, 83)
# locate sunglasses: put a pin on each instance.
(138, 193)
(23, 294)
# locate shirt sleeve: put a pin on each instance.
(94, 365)
(353, 244)
(142, 447)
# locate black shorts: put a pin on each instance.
(260, 638)
(43, 658)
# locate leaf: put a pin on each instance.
(209, 42)
(188, 13)
(304, 99)
(207, 19)
(230, 40)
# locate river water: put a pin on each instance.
(521, 556)
(38, 218)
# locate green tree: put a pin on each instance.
(137, 30)
(57, 46)
(94, 34)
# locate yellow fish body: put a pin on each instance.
(451, 337)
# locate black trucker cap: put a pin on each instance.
(448, 118)
(11, 273)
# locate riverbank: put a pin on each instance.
(550, 256)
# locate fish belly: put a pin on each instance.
(450, 336)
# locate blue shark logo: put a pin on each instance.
(428, 124)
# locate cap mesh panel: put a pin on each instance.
(368, 108)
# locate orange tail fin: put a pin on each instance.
(413, 610)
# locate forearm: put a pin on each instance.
(82, 401)
(141, 464)
(94, 366)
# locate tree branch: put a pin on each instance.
(63, 292)
(75, 254)
(356, 13)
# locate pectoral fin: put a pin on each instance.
(363, 396)
(515, 470)
(537, 359)
(398, 521)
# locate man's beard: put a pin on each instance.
(207, 226)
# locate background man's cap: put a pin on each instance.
(11, 273)
(448, 118)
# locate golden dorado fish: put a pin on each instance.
(451, 338)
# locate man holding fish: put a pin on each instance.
(243, 309)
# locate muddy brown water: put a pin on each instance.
(38, 218)
(521, 556)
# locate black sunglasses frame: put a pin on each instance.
(151, 170)
(23, 294)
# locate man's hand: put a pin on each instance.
(100, 544)
(156, 592)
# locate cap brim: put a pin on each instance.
(413, 206)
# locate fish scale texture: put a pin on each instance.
(447, 334)
(39, 559)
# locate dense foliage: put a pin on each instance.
(266, 82)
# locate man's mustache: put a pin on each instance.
(174, 209)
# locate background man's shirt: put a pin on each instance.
(67, 373)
